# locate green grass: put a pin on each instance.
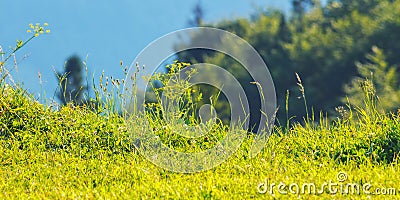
(76, 153)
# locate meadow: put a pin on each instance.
(77, 152)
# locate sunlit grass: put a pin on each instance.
(87, 152)
(75, 152)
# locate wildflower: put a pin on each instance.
(37, 29)
(19, 43)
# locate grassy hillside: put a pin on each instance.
(77, 153)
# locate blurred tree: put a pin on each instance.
(300, 7)
(332, 39)
(384, 78)
(198, 13)
(323, 47)
(71, 82)
(268, 33)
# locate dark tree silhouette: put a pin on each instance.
(198, 13)
(300, 6)
(71, 82)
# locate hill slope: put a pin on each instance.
(77, 153)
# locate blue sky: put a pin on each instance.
(104, 31)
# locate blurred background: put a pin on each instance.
(333, 45)
(102, 31)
